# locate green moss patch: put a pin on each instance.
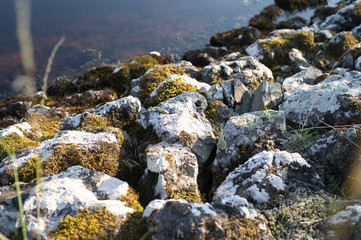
(282, 45)
(97, 224)
(169, 90)
(347, 42)
(44, 126)
(16, 143)
(150, 81)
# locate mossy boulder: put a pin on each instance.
(273, 50)
(265, 20)
(231, 218)
(77, 203)
(150, 81)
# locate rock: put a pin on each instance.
(267, 96)
(333, 155)
(90, 98)
(181, 120)
(243, 136)
(266, 175)
(265, 21)
(65, 150)
(296, 22)
(345, 224)
(229, 218)
(247, 69)
(203, 57)
(175, 170)
(64, 194)
(20, 129)
(344, 20)
(298, 5)
(242, 97)
(307, 76)
(274, 49)
(336, 102)
(236, 39)
(173, 86)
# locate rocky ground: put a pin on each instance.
(256, 136)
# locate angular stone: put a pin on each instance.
(229, 218)
(344, 20)
(267, 96)
(181, 120)
(176, 170)
(332, 104)
(266, 175)
(307, 76)
(64, 194)
(238, 140)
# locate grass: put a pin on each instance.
(18, 191)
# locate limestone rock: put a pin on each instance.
(175, 168)
(243, 136)
(267, 96)
(248, 69)
(336, 103)
(181, 120)
(345, 224)
(68, 149)
(64, 194)
(229, 218)
(344, 20)
(307, 76)
(266, 175)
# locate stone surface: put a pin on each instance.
(333, 154)
(229, 218)
(344, 20)
(345, 224)
(245, 135)
(307, 76)
(181, 120)
(267, 96)
(336, 102)
(176, 170)
(63, 194)
(266, 175)
(82, 140)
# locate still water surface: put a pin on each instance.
(118, 29)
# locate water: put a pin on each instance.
(118, 29)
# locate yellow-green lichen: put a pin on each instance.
(150, 81)
(97, 224)
(16, 143)
(190, 194)
(300, 214)
(169, 90)
(213, 116)
(28, 172)
(44, 126)
(135, 225)
(103, 158)
(283, 43)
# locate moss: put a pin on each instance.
(131, 200)
(213, 116)
(97, 224)
(264, 20)
(191, 194)
(104, 158)
(283, 43)
(95, 124)
(169, 90)
(347, 42)
(28, 172)
(358, 8)
(61, 87)
(300, 214)
(16, 143)
(42, 125)
(135, 225)
(150, 81)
